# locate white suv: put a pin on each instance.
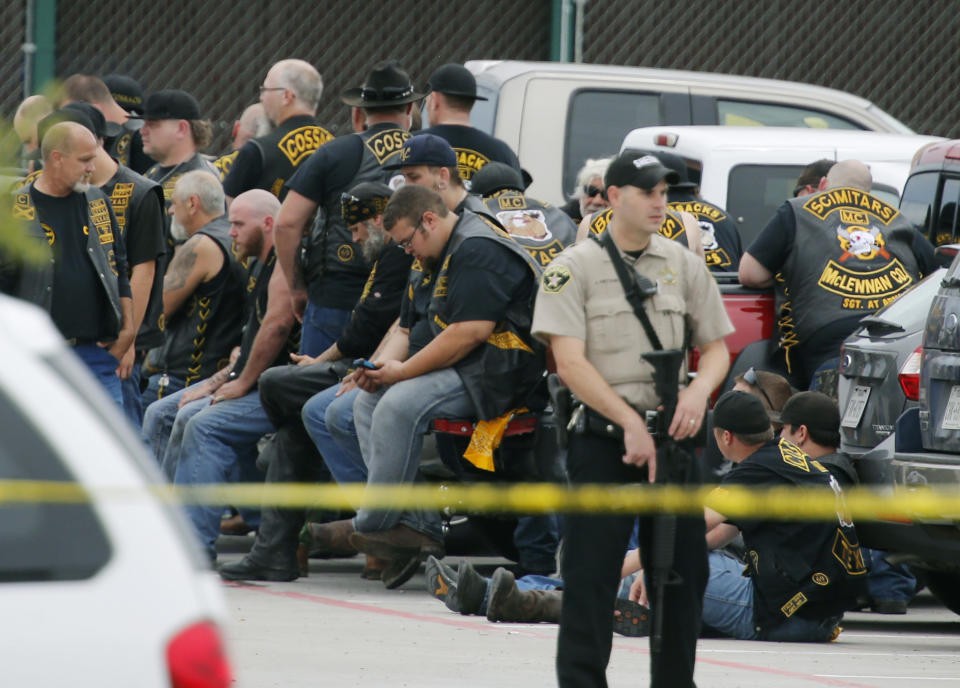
(108, 592)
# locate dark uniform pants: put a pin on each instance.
(290, 456)
(593, 552)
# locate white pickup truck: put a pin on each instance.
(750, 171)
(556, 115)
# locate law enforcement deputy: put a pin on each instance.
(842, 254)
(137, 203)
(290, 94)
(801, 575)
(326, 277)
(452, 93)
(597, 341)
(718, 233)
(84, 284)
(540, 228)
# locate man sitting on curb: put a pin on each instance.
(802, 575)
(811, 420)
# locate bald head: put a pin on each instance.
(257, 201)
(252, 124)
(852, 173)
(65, 138)
(29, 112)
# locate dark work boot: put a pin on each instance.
(507, 603)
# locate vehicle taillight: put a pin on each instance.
(666, 140)
(196, 658)
(909, 377)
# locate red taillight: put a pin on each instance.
(666, 140)
(909, 377)
(196, 659)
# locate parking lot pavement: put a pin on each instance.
(335, 629)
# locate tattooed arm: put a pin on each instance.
(197, 261)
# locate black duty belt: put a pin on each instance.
(584, 419)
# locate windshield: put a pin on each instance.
(910, 310)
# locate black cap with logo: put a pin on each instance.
(640, 169)
(425, 149)
(364, 202)
(127, 92)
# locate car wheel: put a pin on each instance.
(946, 588)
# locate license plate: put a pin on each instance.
(951, 417)
(855, 406)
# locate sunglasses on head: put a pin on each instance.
(590, 191)
(750, 377)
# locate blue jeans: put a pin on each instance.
(390, 424)
(321, 328)
(159, 419)
(728, 608)
(887, 581)
(537, 539)
(132, 397)
(153, 392)
(103, 365)
(218, 445)
(329, 422)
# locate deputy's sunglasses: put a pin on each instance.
(590, 191)
(750, 377)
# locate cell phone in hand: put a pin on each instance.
(364, 363)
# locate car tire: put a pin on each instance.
(945, 586)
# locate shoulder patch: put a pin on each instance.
(555, 278)
(300, 143)
(386, 144)
(599, 222)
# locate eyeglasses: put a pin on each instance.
(406, 243)
(801, 187)
(272, 88)
(750, 377)
(590, 191)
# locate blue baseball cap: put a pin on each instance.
(425, 149)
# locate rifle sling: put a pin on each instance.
(628, 280)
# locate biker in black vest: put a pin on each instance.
(290, 94)
(802, 575)
(323, 266)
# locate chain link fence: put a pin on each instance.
(903, 56)
(220, 51)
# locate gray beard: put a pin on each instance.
(178, 231)
(81, 187)
(373, 246)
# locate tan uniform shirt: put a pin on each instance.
(580, 296)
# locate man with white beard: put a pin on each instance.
(84, 284)
(203, 290)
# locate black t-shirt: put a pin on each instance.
(330, 169)
(379, 306)
(245, 171)
(146, 242)
(474, 148)
(80, 305)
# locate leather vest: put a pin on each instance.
(331, 255)
(224, 163)
(541, 229)
(35, 281)
(285, 148)
(852, 254)
(721, 240)
(501, 373)
(168, 180)
(257, 290)
(126, 191)
(672, 227)
(119, 147)
(201, 335)
(818, 576)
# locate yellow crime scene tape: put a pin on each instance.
(783, 503)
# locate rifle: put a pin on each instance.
(672, 462)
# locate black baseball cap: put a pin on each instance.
(64, 115)
(171, 103)
(101, 127)
(741, 413)
(454, 80)
(814, 409)
(425, 149)
(364, 202)
(127, 92)
(674, 162)
(495, 176)
(640, 169)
